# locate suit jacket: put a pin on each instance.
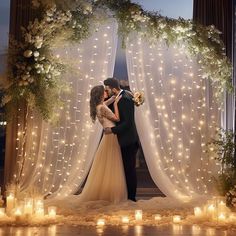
(125, 129)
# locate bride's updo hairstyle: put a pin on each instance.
(96, 96)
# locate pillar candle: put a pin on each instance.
(138, 215)
(10, 203)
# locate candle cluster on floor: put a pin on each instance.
(137, 218)
(27, 209)
(215, 210)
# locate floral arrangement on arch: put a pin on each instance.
(34, 71)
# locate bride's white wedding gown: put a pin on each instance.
(106, 179)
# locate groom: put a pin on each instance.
(126, 133)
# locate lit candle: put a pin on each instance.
(157, 217)
(18, 214)
(221, 217)
(138, 215)
(39, 207)
(52, 212)
(211, 210)
(222, 206)
(28, 206)
(125, 219)
(39, 212)
(197, 211)
(176, 219)
(10, 203)
(100, 222)
(2, 212)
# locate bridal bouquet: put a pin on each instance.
(138, 98)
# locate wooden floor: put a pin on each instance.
(168, 230)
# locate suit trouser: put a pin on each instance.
(129, 161)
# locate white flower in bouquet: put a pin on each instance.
(36, 54)
(38, 44)
(87, 8)
(138, 98)
(27, 53)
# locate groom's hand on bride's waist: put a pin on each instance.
(107, 130)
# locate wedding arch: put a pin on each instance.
(70, 47)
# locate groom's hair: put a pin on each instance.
(112, 83)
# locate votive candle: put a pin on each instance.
(138, 215)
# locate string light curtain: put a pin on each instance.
(177, 120)
(58, 157)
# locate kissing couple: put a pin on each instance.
(112, 176)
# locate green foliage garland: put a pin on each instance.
(34, 71)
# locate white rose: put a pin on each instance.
(38, 44)
(36, 54)
(27, 53)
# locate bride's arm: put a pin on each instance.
(109, 114)
(106, 112)
(116, 110)
(110, 100)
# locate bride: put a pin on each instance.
(106, 180)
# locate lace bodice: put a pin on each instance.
(105, 116)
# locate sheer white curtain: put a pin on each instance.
(58, 157)
(178, 118)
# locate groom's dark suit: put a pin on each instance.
(127, 136)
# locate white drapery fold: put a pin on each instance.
(178, 118)
(58, 157)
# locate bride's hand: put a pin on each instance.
(118, 99)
